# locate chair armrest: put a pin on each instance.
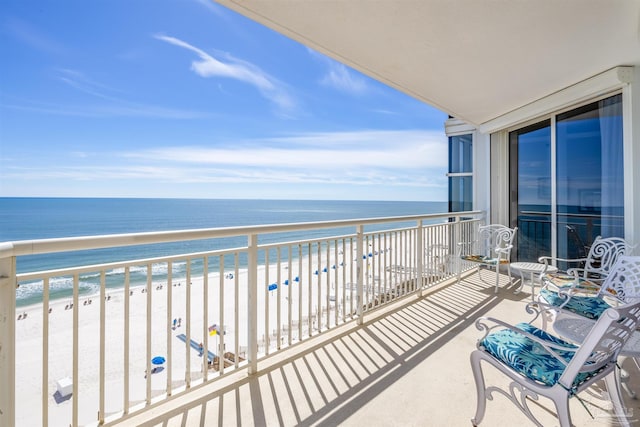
(546, 259)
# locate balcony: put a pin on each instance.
(346, 322)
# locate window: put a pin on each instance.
(460, 173)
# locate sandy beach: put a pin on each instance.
(168, 301)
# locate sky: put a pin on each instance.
(187, 99)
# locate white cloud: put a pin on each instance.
(339, 77)
(106, 106)
(208, 66)
(350, 151)
(389, 158)
(102, 110)
(32, 36)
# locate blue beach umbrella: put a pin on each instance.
(273, 287)
(297, 279)
(158, 360)
(286, 282)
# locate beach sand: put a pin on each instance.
(184, 364)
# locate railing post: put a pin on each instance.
(252, 309)
(359, 269)
(456, 237)
(420, 255)
(8, 284)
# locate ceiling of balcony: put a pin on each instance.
(475, 60)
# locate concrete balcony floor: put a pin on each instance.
(408, 365)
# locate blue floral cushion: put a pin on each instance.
(483, 259)
(590, 307)
(529, 358)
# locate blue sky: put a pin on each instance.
(184, 98)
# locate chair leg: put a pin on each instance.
(497, 277)
(562, 409)
(480, 387)
(624, 381)
(613, 387)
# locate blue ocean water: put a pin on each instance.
(43, 218)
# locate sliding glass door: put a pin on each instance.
(531, 172)
(567, 181)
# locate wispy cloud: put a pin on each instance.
(340, 77)
(111, 103)
(32, 36)
(211, 6)
(359, 152)
(400, 157)
(234, 68)
(81, 82)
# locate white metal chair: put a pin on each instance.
(621, 286)
(540, 364)
(492, 249)
(601, 257)
(580, 289)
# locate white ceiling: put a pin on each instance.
(474, 59)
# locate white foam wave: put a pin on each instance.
(57, 284)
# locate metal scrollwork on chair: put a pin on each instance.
(492, 249)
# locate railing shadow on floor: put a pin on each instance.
(326, 381)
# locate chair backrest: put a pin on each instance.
(623, 280)
(603, 343)
(602, 256)
(496, 240)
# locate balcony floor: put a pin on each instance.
(408, 365)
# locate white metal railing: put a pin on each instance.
(205, 313)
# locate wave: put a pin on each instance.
(161, 268)
(89, 283)
(58, 286)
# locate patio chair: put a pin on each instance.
(492, 249)
(621, 286)
(602, 255)
(541, 364)
(564, 289)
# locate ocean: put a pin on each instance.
(44, 218)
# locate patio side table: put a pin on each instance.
(532, 269)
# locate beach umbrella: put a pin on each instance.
(297, 279)
(214, 330)
(273, 287)
(158, 360)
(286, 282)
